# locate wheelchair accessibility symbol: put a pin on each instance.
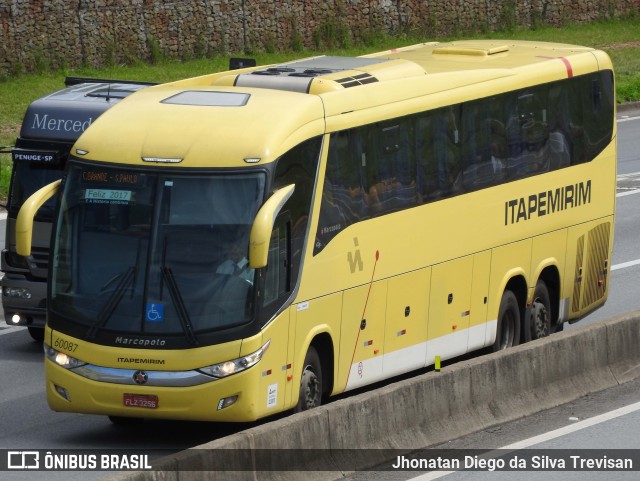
(155, 312)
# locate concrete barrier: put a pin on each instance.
(419, 412)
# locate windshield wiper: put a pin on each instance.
(112, 302)
(178, 301)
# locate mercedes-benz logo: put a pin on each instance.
(140, 377)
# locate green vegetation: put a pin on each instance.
(620, 39)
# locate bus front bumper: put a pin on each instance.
(224, 400)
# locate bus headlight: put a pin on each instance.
(234, 366)
(62, 359)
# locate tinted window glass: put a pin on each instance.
(401, 163)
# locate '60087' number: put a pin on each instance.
(65, 345)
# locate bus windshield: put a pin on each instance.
(154, 253)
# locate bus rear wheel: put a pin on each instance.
(310, 382)
(540, 318)
(508, 329)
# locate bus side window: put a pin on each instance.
(391, 168)
(560, 148)
(437, 153)
(529, 135)
(344, 201)
(480, 168)
(299, 166)
(598, 107)
(277, 277)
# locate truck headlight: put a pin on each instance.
(16, 292)
(227, 368)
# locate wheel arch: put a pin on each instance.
(323, 344)
(516, 282)
(518, 285)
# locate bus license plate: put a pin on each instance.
(140, 401)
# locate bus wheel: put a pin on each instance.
(36, 333)
(540, 318)
(508, 330)
(310, 382)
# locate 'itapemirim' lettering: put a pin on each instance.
(547, 202)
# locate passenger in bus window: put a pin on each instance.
(236, 263)
(559, 127)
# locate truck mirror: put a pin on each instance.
(238, 63)
(24, 222)
(263, 225)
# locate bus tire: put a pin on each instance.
(508, 328)
(538, 323)
(310, 382)
(36, 333)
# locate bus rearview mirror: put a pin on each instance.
(263, 226)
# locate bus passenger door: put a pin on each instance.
(362, 335)
(276, 281)
(449, 309)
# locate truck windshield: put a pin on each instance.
(27, 177)
(154, 253)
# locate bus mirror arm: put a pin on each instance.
(263, 226)
(24, 222)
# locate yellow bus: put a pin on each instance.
(249, 242)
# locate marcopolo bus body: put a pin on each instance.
(50, 127)
(248, 242)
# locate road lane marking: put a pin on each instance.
(627, 119)
(633, 178)
(624, 265)
(10, 329)
(525, 443)
(629, 192)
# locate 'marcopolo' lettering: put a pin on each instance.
(547, 202)
(134, 341)
(60, 125)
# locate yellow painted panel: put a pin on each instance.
(407, 310)
(308, 319)
(366, 304)
(507, 262)
(480, 288)
(450, 297)
(272, 369)
(547, 250)
(128, 357)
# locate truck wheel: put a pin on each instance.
(37, 333)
